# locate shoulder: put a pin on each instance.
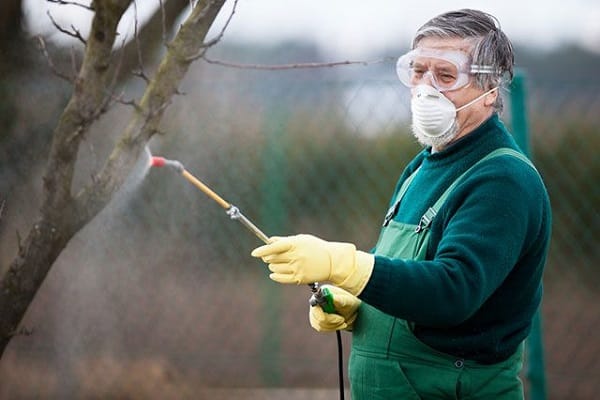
(511, 169)
(506, 183)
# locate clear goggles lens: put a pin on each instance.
(443, 69)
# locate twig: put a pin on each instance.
(74, 61)
(21, 332)
(138, 46)
(19, 242)
(163, 20)
(222, 32)
(275, 67)
(121, 100)
(139, 72)
(112, 98)
(44, 50)
(153, 113)
(216, 39)
(71, 3)
(75, 33)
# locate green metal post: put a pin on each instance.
(535, 372)
(518, 110)
(273, 217)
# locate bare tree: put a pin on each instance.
(63, 213)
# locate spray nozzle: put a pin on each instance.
(321, 296)
(163, 162)
(231, 210)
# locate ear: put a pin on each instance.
(490, 98)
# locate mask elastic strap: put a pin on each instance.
(476, 99)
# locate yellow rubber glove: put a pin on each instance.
(305, 259)
(346, 307)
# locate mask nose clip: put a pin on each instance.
(433, 93)
(428, 79)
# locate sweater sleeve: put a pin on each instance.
(476, 240)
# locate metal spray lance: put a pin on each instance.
(319, 297)
(232, 211)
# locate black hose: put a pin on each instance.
(340, 364)
(318, 299)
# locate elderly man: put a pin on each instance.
(441, 306)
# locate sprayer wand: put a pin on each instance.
(320, 296)
(232, 211)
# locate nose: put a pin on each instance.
(425, 78)
(428, 79)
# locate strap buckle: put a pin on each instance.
(391, 213)
(426, 220)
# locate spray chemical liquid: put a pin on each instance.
(320, 296)
(232, 211)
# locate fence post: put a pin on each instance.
(273, 218)
(535, 371)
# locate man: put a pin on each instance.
(442, 305)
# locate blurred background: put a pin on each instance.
(158, 296)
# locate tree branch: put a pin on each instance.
(152, 37)
(74, 33)
(58, 222)
(71, 3)
(218, 38)
(163, 21)
(62, 214)
(275, 67)
(155, 100)
(138, 47)
(44, 50)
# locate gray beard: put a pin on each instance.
(437, 143)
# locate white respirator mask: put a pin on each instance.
(434, 115)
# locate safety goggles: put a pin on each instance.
(443, 69)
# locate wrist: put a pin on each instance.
(358, 274)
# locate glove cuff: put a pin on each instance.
(360, 274)
(350, 322)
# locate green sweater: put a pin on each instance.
(481, 283)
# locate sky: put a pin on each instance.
(357, 28)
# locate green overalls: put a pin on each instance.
(388, 362)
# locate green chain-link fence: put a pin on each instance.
(159, 298)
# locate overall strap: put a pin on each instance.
(394, 208)
(427, 218)
(406, 184)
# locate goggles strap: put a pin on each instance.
(483, 69)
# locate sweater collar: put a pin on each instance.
(466, 144)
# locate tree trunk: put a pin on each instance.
(62, 215)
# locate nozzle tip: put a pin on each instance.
(158, 162)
